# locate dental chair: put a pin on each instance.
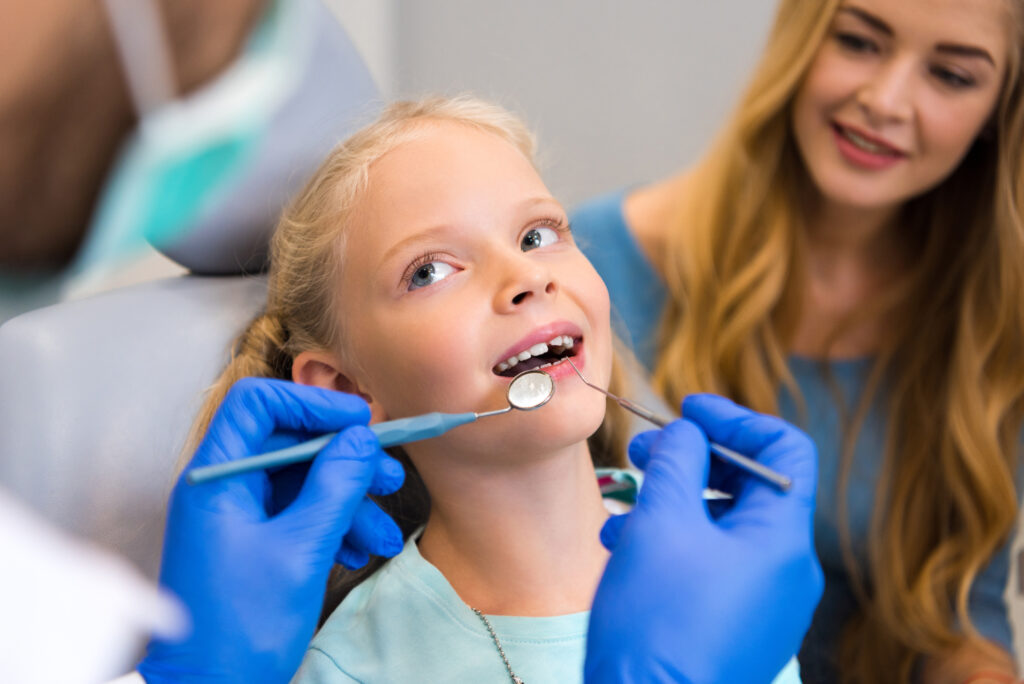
(97, 395)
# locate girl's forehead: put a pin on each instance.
(450, 146)
(447, 172)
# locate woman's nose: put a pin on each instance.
(887, 96)
(525, 283)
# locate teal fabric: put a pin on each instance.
(406, 624)
(638, 296)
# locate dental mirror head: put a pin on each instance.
(530, 389)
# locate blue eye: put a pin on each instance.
(539, 237)
(430, 273)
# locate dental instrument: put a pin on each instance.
(726, 454)
(528, 391)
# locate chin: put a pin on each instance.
(562, 424)
(840, 188)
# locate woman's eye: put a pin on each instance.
(856, 43)
(538, 237)
(952, 78)
(428, 274)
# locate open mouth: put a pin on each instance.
(540, 355)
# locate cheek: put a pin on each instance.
(407, 362)
(824, 84)
(424, 369)
(947, 133)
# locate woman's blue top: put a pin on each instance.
(638, 297)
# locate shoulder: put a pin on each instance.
(351, 640)
(649, 211)
(318, 667)
(402, 621)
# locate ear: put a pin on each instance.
(324, 369)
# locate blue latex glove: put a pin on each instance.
(691, 598)
(254, 578)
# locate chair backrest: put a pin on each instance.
(96, 398)
(97, 395)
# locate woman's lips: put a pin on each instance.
(865, 151)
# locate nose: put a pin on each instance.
(524, 282)
(887, 96)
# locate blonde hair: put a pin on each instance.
(952, 367)
(308, 243)
(306, 255)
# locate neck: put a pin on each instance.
(519, 539)
(844, 232)
(853, 258)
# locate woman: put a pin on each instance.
(850, 254)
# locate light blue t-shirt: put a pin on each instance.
(406, 624)
(638, 298)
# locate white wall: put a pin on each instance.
(619, 93)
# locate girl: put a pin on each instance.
(850, 254)
(424, 266)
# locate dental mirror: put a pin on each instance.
(531, 389)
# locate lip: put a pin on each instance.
(861, 157)
(874, 139)
(540, 334)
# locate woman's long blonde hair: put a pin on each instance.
(952, 365)
(306, 255)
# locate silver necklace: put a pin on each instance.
(487, 623)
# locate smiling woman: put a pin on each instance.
(850, 254)
(893, 101)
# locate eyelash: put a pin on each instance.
(418, 262)
(852, 41)
(559, 225)
(951, 78)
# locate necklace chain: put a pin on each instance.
(487, 623)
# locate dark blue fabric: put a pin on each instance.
(638, 296)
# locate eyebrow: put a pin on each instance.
(947, 48)
(425, 235)
(868, 18)
(966, 51)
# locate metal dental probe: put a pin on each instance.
(726, 454)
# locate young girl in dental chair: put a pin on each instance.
(423, 266)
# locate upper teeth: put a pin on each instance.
(864, 143)
(562, 341)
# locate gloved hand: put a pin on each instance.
(254, 579)
(688, 598)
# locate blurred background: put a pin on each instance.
(618, 93)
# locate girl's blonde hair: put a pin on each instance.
(952, 363)
(306, 256)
